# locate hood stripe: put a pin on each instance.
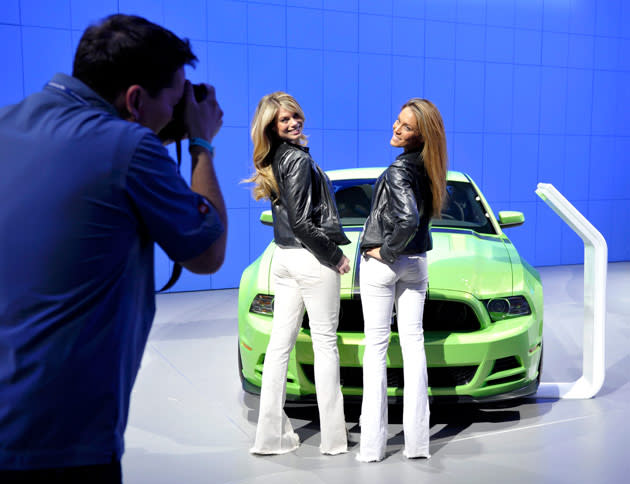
(356, 291)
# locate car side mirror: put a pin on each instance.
(508, 218)
(266, 218)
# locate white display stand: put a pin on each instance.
(595, 268)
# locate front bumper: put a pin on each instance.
(497, 362)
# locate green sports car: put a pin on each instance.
(483, 317)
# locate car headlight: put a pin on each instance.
(262, 304)
(507, 307)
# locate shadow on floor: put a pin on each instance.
(447, 420)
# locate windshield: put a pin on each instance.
(462, 209)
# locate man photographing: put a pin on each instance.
(88, 188)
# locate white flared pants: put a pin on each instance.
(403, 283)
(300, 281)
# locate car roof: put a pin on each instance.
(375, 172)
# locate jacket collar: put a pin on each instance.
(285, 145)
(83, 91)
(414, 157)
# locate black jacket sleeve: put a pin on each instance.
(298, 199)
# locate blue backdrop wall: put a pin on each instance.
(530, 90)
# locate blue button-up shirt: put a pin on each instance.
(85, 195)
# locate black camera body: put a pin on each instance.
(175, 130)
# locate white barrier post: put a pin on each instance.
(595, 267)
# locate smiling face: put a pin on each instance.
(288, 125)
(406, 133)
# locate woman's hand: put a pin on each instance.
(375, 252)
(344, 265)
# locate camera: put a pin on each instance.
(175, 130)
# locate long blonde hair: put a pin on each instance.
(431, 129)
(264, 137)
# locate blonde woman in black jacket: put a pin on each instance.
(393, 270)
(306, 269)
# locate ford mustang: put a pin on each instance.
(483, 316)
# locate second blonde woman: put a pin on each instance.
(305, 273)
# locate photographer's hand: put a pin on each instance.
(203, 119)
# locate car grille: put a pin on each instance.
(439, 315)
(439, 377)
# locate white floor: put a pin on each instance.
(191, 423)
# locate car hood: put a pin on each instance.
(469, 262)
(461, 260)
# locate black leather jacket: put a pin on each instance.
(304, 212)
(401, 210)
